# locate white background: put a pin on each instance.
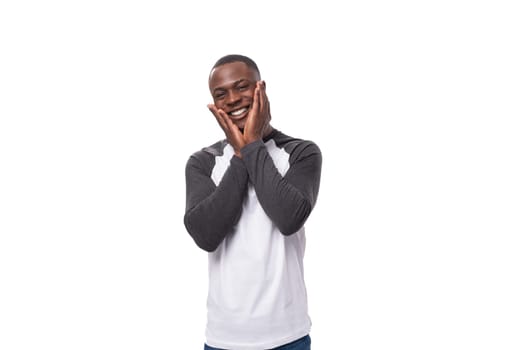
(417, 240)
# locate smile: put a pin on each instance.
(238, 112)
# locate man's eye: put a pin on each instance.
(219, 96)
(243, 87)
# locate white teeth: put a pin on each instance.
(238, 112)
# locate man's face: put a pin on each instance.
(232, 87)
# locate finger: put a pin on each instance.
(266, 100)
(264, 110)
(213, 110)
(256, 95)
(263, 100)
(225, 121)
(228, 121)
(219, 116)
(233, 133)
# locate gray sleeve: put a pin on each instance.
(288, 200)
(212, 211)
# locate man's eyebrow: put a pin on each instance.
(239, 81)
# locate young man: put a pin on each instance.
(247, 199)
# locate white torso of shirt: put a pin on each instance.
(257, 296)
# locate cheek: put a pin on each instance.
(248, 95)
(218, 103)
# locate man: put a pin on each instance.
(247, 199)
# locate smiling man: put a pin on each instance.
(247, 200)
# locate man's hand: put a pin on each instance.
(232, 132)
(258, 118)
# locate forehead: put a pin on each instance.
(229, 73)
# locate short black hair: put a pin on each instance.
(237, 58)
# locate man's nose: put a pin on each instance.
(232, 98)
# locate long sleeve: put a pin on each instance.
(212, 210)
(288, 200)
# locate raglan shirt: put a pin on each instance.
(249, 214)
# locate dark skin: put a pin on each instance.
(240, 105)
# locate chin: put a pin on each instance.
(241, 126)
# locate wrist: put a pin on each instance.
(251, 139)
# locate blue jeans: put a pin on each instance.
(299, 344)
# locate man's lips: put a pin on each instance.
(238, 114)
